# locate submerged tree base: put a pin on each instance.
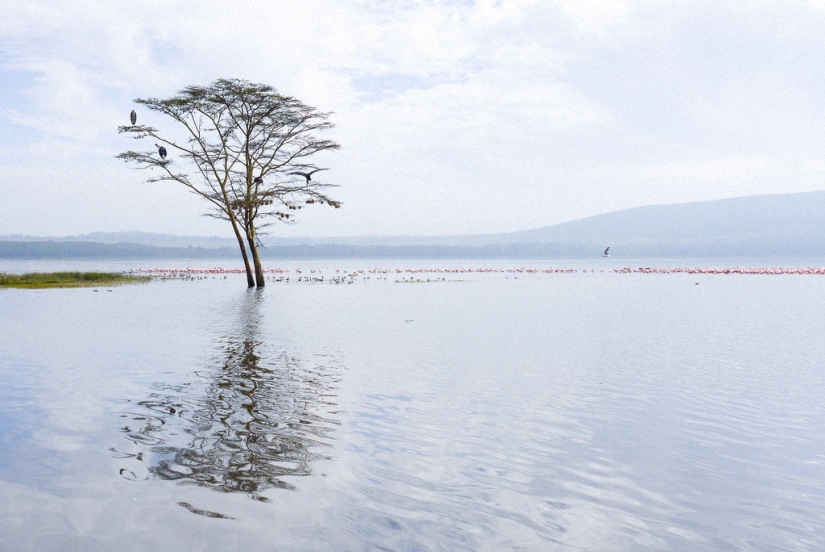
(38, 280)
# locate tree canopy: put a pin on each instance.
(244, 148)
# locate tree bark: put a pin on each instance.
(256, 258)
(250, 281)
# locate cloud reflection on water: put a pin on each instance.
(258, 417)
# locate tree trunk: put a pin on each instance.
(250, 282)
(256, 258)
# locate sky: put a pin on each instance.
(454, 117)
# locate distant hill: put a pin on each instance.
(755, 226)
(142, 238)
(773, 225)
(765, 216)
(90, 250)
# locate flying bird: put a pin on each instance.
(161, 151)
(308, 175)
(606, 254)
(133, 116)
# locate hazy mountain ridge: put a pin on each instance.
(766, 215)
(787, 224)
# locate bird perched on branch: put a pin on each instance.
(258, 181)
(308, 175)
(161, 151)
(133, 116)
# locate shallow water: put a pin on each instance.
(549, 412)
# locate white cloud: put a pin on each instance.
(596, 17)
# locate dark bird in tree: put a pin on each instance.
(161, 151)
(258, 181)
(133, 116)
(308, 175)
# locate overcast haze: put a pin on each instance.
(454, 117)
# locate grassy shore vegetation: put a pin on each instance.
(67, 279)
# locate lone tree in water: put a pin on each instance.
(245, 149)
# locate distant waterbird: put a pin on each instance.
(606, 254)
(308, 175)
(133, 116)
(161, 151)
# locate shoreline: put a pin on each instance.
(46, 280)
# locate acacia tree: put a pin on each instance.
(245, 149)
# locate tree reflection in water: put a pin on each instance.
(259, 417)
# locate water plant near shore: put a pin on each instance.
(38, 280)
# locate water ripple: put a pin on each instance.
(259, 417)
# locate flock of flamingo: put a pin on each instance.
(317, 275)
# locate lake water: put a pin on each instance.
(581, 411)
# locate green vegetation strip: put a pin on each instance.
(68, 279)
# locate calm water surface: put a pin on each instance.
(549, 412)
